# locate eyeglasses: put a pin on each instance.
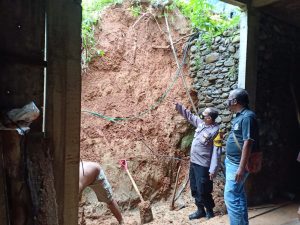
(202, 117)
(230, 101)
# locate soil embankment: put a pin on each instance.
(136, 70)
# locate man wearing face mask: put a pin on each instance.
(204, 159)
(242, 139)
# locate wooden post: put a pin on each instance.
(4, 218)
(63, 107)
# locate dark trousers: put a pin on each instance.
(201, 186)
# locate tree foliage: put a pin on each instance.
(91, 10)
(202, 17)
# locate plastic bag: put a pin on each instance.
(26, 114)
(20, 119)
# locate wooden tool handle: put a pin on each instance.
(134, 185)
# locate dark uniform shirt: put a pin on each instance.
(245, 127)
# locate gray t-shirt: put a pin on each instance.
(202, 145)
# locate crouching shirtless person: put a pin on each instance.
(92, 175)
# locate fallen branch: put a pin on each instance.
(187, 178)
(174, 43)
(139, 19)
(175, 188)
(178, 65)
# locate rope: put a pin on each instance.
(270, 210)
(163, 96)
(177, 62)
(135, 133)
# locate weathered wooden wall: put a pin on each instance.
(21, 81)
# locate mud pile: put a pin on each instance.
(138, 67)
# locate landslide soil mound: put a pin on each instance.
(136, 70)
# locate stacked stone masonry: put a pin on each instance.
(214, 67)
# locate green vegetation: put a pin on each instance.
(186, 141)
(201, 15)
(232, 72)
(136, 10)
(199, 12)
(91, 10)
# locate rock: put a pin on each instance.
(226, 42)
(205, 52)
(226, 119)
(194, 49)
(220, 106)
(208, 99)
(231, 49)
(212, 78)
(200, 97)
(210, 105)
(233, 78)
(217, 70)
(210, 67)
(226, 89)
(194, 42)
(193, 68)
(214, 47)
(218, 119)
(203, 48)
(193, 62)
(205, 84)
(197, 86)
(229, 62)
(213, 57)
(226, 113)
(237, 55)
(219, 64)
(222, 48)
(224, 95)
(199, 74)
(219, 81)
(224, 70)
(217, 39)
(236, 39)
(218, 101)
(193, 74)
(234, 86)
(217, 92)
(227, 33)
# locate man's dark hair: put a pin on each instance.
(213, 113)
(241, 96)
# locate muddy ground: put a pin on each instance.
(130, 80)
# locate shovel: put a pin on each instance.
(144, 206)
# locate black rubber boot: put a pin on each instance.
(198, 214)
(209, 213)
